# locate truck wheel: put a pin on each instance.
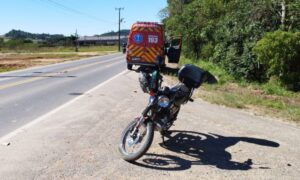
(129, 66)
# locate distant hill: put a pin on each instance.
(18, 34)
(123, 32)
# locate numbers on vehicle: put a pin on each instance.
(153, 39)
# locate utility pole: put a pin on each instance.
(76, 41)
(120, 20)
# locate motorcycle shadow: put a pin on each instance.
(200, 149)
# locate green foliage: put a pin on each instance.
(280, 52)
(1, 42)
(19, 44)
(274, 88)
(293, 15)
(207, 50)
(268, 97)
(220, 74)
(22, 41)
(194, 20)
(225, 32)
(35, 48)
(19, 37)
(7, 68)
(18, 34)
(123, 32)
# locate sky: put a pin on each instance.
(89, 17)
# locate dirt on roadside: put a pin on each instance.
(14, 61)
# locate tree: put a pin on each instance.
(225, 31)
(280, 52)
(1, 43)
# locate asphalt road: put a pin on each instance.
(80, 141)
(27, 94)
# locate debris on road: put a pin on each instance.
(5, 144)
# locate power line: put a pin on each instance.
(50, 5)
(75, 11)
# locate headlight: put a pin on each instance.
(163, 101)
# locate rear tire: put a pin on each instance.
(148, 138)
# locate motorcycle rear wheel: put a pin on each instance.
(141, 141)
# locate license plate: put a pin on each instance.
(136, 58)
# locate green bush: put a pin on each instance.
(279, 51)
(12, 44)
(1, 42)
(225, 32)
(20, 44)
(207, 51)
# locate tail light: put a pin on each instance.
(151, 93)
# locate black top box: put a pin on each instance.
(190, 75)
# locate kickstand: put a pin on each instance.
(163, 139)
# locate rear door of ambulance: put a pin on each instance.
(154, 44)
(136, 45)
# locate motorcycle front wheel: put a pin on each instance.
(135, 145)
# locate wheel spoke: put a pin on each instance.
(133, 145)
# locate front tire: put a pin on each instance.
(144, 139)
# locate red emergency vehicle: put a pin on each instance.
(146, 43)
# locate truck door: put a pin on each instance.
(137, 44)
(174, 50)
(154, 45)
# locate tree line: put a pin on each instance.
(18, 38)
(123, 32)
(255, 40)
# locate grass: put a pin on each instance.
(32, 49)
(263, 98)
(28, 57)
(7, 68)
(20, 61)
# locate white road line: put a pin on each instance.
(80, 66)
(62, 63)
(41, 118)
(53, 65)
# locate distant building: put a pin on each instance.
(100, 40)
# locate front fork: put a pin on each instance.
(140, 120)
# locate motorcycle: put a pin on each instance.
(161, 111)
